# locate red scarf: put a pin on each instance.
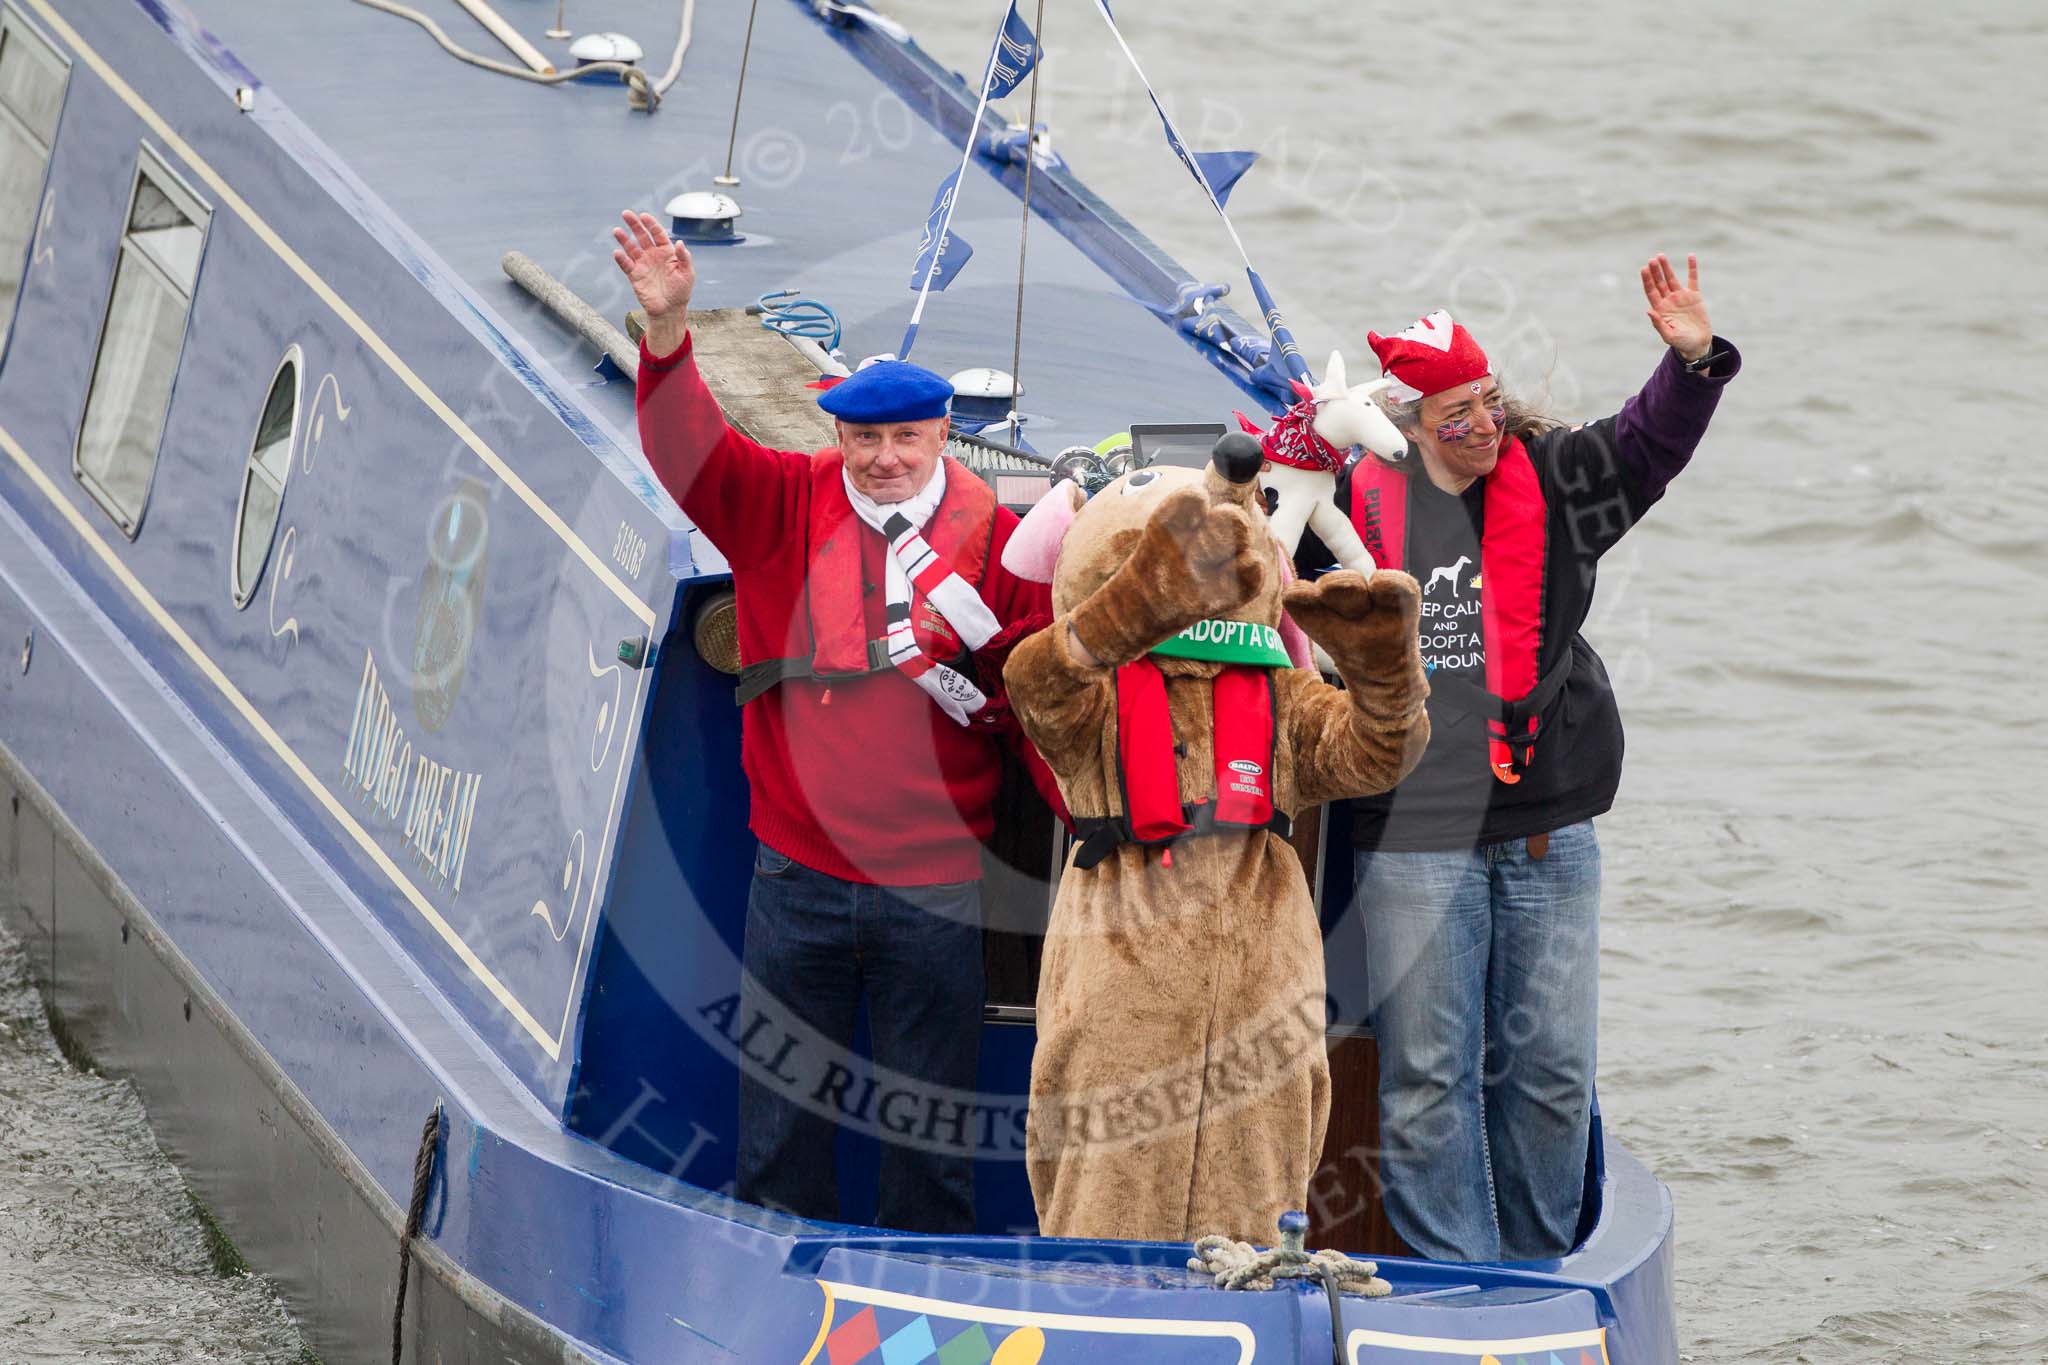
(1243, 705)
(1513, 550)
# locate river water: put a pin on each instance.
(103, 1257)
(1825, 982)
(1824, 1012)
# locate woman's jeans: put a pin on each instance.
(814, 946)
(1483, 975)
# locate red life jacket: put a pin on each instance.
(1147, 776)
(835, 617)
(1513, 550)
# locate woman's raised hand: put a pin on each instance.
(660, 270)
(1677, 311)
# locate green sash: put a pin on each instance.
(1229, 642)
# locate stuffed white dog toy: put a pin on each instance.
(1306, 449)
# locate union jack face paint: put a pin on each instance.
(1458, 429)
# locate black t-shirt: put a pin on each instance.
(1443, 554)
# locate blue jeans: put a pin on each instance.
(1483, 974)
(814, 946)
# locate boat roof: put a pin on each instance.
(838, 169)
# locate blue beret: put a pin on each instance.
(888, 391)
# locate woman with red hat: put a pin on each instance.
(1479, 876)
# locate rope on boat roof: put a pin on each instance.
(643, 93)
(675, 60)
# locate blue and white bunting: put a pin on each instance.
(940, 251)
(1217, 173)
(1223, 170)
(1016, 52)
(1287, 351)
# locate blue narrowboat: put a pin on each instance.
(370, 763)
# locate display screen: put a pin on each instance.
(1183, 443)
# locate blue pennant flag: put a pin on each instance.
(1284, 346)
(1217, 173)
(1224, 169)
(951, 248)
(1016, 52)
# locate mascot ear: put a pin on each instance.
(1292, 636)
(1034, 546)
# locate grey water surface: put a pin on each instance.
(103, 1256)
(1824, 1014)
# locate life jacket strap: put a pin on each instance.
(1512, 745)
(1460, 695)
(757, 677)
(1101, 835)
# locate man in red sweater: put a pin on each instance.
(874, 613)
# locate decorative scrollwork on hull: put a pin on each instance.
(328, 383)
(287, 553)
(288, 541)
(607, 726)
(572, 889)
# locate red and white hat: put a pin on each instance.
(1429, 356)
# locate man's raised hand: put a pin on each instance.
(662, 276)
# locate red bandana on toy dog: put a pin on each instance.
(1293, 439)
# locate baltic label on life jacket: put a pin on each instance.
(834, 622)
(1513, 552)
(1155, 814)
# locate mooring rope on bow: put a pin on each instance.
(415, 1214)
(1240, 1265)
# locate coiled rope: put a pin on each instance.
(415, 1212)
(1240, 1265)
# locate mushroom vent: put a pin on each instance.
(704, 216)
(983, 397)
(604, 47)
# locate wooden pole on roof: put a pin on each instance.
(481, 11)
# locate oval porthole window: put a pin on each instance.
(270, 461)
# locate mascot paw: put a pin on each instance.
(1216, 547)
(1345, 610)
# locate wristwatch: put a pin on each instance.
(1704, 363)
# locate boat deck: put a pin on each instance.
(837, 178)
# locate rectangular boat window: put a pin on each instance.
(140, 341)
(32, 76)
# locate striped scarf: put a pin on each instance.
(913, 566)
